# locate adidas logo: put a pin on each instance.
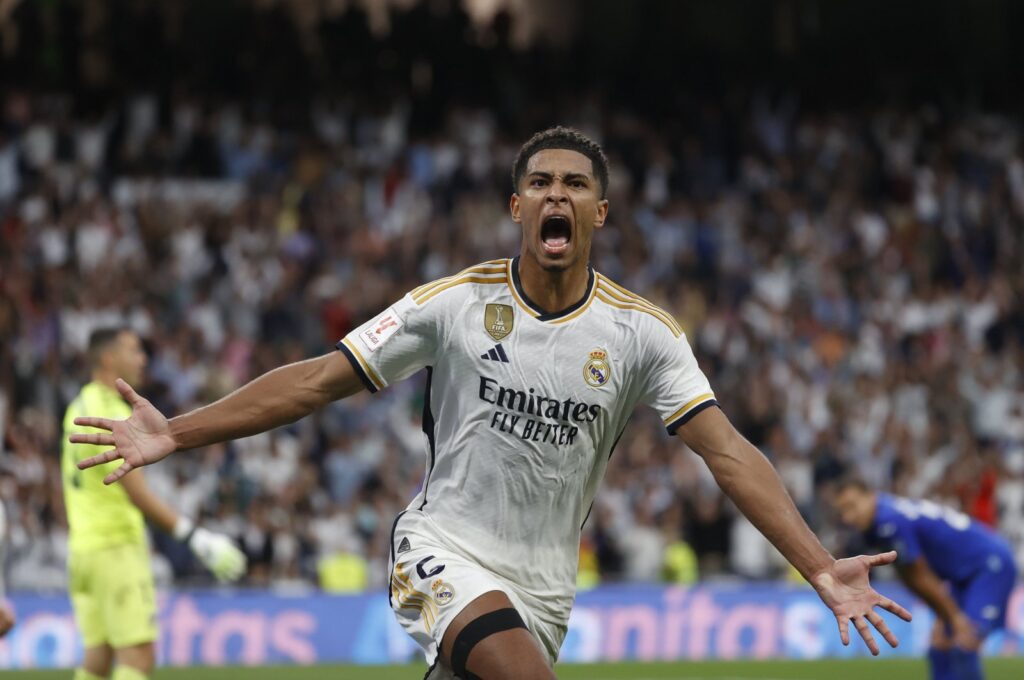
(496, 353)
(404, 546)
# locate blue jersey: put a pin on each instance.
(955, 547)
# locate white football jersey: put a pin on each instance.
(523, 409)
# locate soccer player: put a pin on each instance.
(7, 618)
(937, 544)
(110, 578)
(534, 365)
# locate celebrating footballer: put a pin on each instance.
(534, 365)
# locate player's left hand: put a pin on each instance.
(845, 588)
(7, 618)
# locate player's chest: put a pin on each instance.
(513, 359)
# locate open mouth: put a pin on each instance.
(555, 234)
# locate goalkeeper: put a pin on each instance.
(115, 608)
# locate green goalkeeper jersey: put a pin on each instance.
(98, 516)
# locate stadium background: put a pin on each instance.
(828, 195)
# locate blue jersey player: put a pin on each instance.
(962, 569)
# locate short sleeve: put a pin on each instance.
(394, 344)
(675, 386)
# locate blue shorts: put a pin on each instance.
(984, 597)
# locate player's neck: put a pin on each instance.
(104, 378)
(553, 291)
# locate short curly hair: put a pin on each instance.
(562, 138)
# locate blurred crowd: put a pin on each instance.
(852, 282)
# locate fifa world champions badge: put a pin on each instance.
(597, 370)
(498, 320)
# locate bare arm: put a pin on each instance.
(927, 585)
(923, 582)
(155, 510)
(747, 477)
(216, 551)
(277, 398)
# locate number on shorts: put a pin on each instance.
(428, 574)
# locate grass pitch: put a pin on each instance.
(858, 669)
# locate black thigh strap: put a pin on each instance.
(476, 630)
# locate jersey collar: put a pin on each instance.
(534, 308)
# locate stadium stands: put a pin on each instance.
(851, 278)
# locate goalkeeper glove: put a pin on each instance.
(216, 551)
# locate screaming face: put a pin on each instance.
(559, 205)
(555, 234)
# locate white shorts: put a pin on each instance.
(432, 581)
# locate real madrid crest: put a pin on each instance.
(443, 592)
(498, 320)
(597, 370)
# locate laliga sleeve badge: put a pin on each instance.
(380, 330)
(598, 370)
(443, 592)
(498, 320)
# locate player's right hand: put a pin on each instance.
(142, 439)
(844, 586)
(7, 619)
(218, 554)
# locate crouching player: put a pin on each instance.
(937, 544)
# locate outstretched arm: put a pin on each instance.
(276, 398)
(747, 477)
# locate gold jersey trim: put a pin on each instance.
(451, 284)
(621, 294)
(570, 317)
(604, 296)
(515, 294)
(364, 364)
(688, 406)
(410, 598)
(480, 273)
(568, 314)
